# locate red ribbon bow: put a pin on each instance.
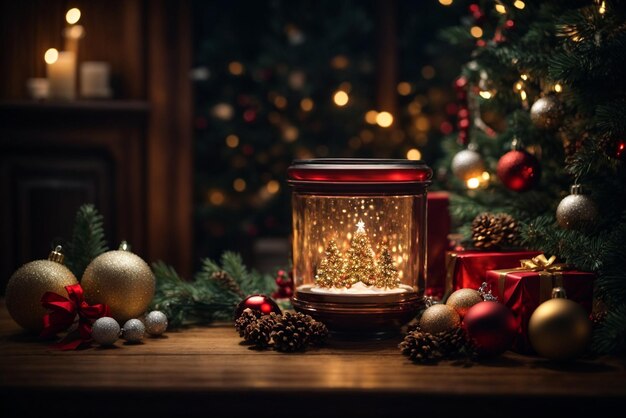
(62, 313)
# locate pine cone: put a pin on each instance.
(227, 282)
(422, 347)
(491, 231)
(246, 318)
(259, 332)
(291, 332)
(317, 333)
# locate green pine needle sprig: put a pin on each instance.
(205, 300)
(88, 240)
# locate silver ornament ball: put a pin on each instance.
(467, 164)
(156, 323)
(133, 331)
(576, 210)
(105, 331)
(546, 113)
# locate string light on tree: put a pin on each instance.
(384, 119)
(341, 98)
(519, 4)
(72, 16)
(445, 2)
(413, 154)
(370, 117)
(500, 8)
(51, 56)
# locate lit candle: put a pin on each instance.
(61, 69)
(74, 32)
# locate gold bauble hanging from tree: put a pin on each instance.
(121, 280)
(29, 283)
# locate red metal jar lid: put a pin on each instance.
(347, 175)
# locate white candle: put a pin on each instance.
(94, 79)
(62, 76)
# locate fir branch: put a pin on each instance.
(610, 337)
(87, 241)
(204, 299)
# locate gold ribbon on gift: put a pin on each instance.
(550, 275)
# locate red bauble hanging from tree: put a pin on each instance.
(518, 170)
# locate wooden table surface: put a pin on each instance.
(205, 371)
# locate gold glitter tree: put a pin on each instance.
(360, 265)
(330, 271)
(388, 274)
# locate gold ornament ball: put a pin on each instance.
(559, 329)
(546, 113)
(121, 280)
(463, 299)
(439, 318)
(28, 284)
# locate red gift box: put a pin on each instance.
(437, 243)
(468, 269)
(523, 289)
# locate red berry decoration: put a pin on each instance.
(519, 170)
(260, 303)
(284, 284)
(490, 326)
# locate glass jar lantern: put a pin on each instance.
(359, 249)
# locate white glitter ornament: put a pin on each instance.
(576, 209)
(105, 331)
(467, 164)
(156, 323)
(133, 331)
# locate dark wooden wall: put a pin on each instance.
(131, 155)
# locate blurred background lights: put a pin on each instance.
(51, 56)
(72, 16)
(413, 154)
(384, 119)
(341, 98)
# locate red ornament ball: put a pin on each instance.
(519, 170)
(260, 303)
(491, 327)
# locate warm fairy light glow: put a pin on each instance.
(485, 176)
(306, 104)
(422, 124)
(51, 56)
(473, 183)
(558, 88)
(445, 2)
(602, 8)
(235, 68)
(72, 16)
(428, 72)
(413, 154)
(523, 95)
(384, 119)
(290, 133)
(280, 102)
(524, 77)
(500, 8)
(341, 98)
(519, 86)
(485, 94)
(404, 88)
(216, 197)
(476, 31)
(239, 185)
(519, 4)
(370, 117)
(232, 141)
(272, 186)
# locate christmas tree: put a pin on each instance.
(542, 104)
(330, 271)
(360, 264)
(388, 274)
